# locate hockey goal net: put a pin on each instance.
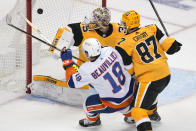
(20, 56)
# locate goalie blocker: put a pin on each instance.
(63, 38)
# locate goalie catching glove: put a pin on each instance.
(68, 64)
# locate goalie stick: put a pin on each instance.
(159, 17)
(8, 21)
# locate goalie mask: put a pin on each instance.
(100, 18)
(130, 20)
(91, 47)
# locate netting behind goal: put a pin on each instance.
(48, 16)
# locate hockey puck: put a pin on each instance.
(40, 11)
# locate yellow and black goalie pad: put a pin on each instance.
(50, 80)
(54, 81)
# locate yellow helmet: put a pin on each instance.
(131, 19)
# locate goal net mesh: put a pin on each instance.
(47, 16)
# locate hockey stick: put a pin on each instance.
(159, 17)
(33, 27)
(8, 21)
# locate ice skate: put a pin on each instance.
(155, 117)
(129, 120)
(86, 123)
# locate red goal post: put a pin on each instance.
(29, 41)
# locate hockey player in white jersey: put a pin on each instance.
(107, 74)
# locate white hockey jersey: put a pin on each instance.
(108, 76)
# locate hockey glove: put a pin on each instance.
(66, 57)
(176, 46)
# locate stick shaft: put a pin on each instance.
(40, 33)
(158, 17)
(34, 28)
(40, 40)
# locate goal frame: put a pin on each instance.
(29, 44)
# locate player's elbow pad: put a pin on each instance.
(176, 46)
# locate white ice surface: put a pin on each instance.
(177, 102)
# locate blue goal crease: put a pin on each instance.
(182, 84)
